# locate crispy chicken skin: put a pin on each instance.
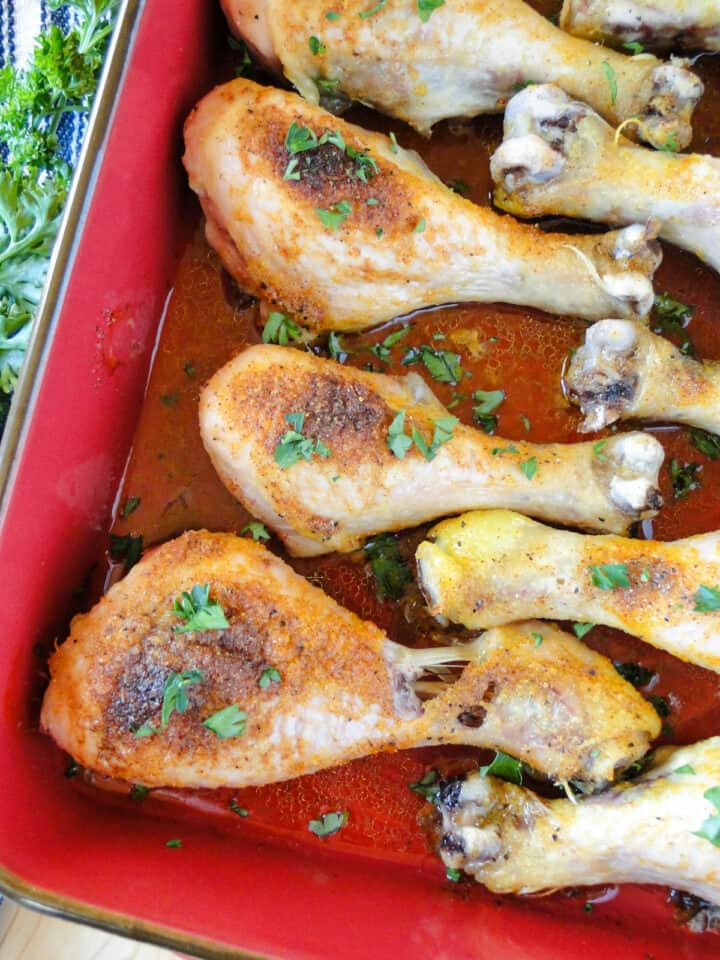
(623, 370)
(639, 831)
(362, 488)
(658, 24)
(466, 59)
(559, 157)
(342, 688)
(400, 240)
(493, 567)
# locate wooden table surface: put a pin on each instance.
(26, 935)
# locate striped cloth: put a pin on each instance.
(20, 23)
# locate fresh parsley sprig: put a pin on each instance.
(293, 446)
(198, 611)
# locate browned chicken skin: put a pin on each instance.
(344, 243)
(316, 685)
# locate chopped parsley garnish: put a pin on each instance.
(486, 402)
(198, 611)
(373, 10)
(609, 576)
(139, 792)
(501, 451)
(442, 365)
(635, 673)
(537, 638)
(686, 768)
(580, 629)
(175, 699)
(707, 599)
(399, 443)
(673, 317)
(332, 15)
(612, 81)
(280, 328)
(525, 422)
(393, 143)
(671, 145)
(425, 8)
(453, 874)
(706, 443)
(428, 786)
(268, 676)
(329, 823)
(127, 548)
(228, 722)
(189, 370)
(397, 439)
(684, 478)
(174, 844)
(236, 808)
(336, 216)
(420, 226)
(662, 707)
(710, 828)
(459, 187)
(503, 766)
(597, 449)
(529, 467)
(170, 399)
(258, 531)
(365, 166)
(293, 446)
(299, 139)
(388, 566)
(335, 347)
(130, 506)
(382, 350)
(316, 46)
(634, 47)
(326, 85)
(644, 575)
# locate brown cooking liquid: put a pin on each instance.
(517, 350)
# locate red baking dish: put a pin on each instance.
(66, 851)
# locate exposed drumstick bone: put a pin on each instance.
(659, 24)
(492, 567)
(643, 830)
(316, 686)
(467, 58)
(359, 486)
(354, 231)
(623, 370)
(559, 157)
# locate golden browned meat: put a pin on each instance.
(559, 157)
(466, 58)
(624, 371)
(658, 24)
(656, 828)
(257, 676)
(345, 230)
(492, 567)
(355, 485)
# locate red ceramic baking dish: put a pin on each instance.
(241, 892)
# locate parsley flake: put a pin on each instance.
(611, 79)
(175, 699)
(236, 808)
(635, 673)
(127, 548)
(707, 599)
(373, 10)
(580, 629)
(258, 531)
(332, 15)
(503, 766)
(174, 844)
(428, 786)
(293, 446)
(280, 328)
(130, 506)
(198, 611)
(139, 792)
(442, 365)
(609, 576)
(268, 676)
(634, 47)
(706, 443)
(393, 143)
(453, 874)
(487, 401)
(442, 432)
(397, 440)
(537, 638)
(710, 828)
(673, 317)
(388, 566)
(684, 478)
(597, 449)
(329, 823)
(382, 349)
(420, 226)
(529, 467)
(671, 145)
(426, 8)
(336, 216)
(316, 46)
(228, 722)
(686, 768)
(459, 187)
(501, 451)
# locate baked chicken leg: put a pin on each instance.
(466, 58)
(214, 664)
(346, 230)
(645, 830)
(623, 370)
(660, 24)
(382, 453)
(493, 567)
(560, 157)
